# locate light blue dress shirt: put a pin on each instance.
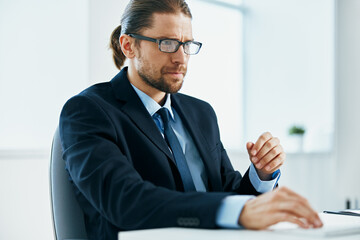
(231, 206)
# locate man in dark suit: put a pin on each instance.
(141, 155)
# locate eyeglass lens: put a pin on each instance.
(169, 45)
(192, 48)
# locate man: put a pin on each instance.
(141, 155)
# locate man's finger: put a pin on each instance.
(249, 146)
(276, 163)
(303, 212)
(286, 217)
(267, 147)
(279, 205)
(260, 142)
(296, 205)
(270, 156)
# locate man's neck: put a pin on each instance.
(152, 92)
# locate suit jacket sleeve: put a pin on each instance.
(233, 181)
(108, 182)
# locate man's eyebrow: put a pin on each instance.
(174, 38)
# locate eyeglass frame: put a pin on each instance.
(158, 41)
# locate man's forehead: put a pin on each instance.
(170, 25)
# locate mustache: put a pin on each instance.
(180, 69)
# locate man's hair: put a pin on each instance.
(138, 16)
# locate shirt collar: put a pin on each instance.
(151, 105)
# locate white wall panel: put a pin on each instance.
(348, 99)
(43, 61)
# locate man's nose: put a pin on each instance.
(180, 56)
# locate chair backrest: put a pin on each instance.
(68, 218)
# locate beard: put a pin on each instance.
(148, 74)
(161, 84)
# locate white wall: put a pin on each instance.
(25, 200)
(310, 175)
(289, 77)
(348, 99)
(43, 61)
(289, 61)
(105, 16)
(331, 177)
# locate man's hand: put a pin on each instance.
(266, 154)
(280, 205)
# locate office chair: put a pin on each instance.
(68, 217)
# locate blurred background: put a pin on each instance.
(290, 67)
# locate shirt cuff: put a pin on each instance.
(230, 209)
(263, 186)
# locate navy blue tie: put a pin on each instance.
(178, 154)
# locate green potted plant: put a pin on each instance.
(298, 132)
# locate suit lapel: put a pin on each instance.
(191, 125)
(135, 109)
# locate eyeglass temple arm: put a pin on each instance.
(143, 38)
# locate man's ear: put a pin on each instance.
(127, 44)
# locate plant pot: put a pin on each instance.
(299, 142)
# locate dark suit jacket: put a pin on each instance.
(124, 175)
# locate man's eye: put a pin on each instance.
(168, 42)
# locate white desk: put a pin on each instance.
(226, 234)
(218, 234)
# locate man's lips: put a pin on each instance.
(178, 74)
(175, 72)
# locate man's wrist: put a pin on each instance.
(263, 176)
(229, 211)
(260, 185)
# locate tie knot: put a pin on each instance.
(164, 114)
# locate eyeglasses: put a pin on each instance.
(172, 45)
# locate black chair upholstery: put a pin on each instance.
(68, 218)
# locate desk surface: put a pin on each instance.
(223, 234)
(229, 234)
